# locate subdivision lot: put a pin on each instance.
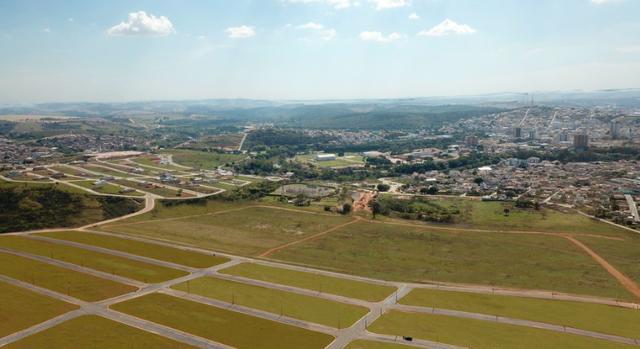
(107, 263)
(587, 316)
(82, 286)
(103, 170)
(202, 159)
(624, 255)
(480, 334)
(364, 344)
(145, 249)
(403, 253)
(73, 171)
(106, 188)
(307, 308)
(248, 231)
(154, 161)
(224, 326)
(92, 331)
(21, 308)
(316, 282)
(162, 191)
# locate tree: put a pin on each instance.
(375, 209)
(478, 180)
(340, 153)
(506, 212)
(383, 187)
(346, 208)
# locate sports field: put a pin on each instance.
(479, 334)
(235, 329)
(246, 231)
(107, 263)
(314, 309)
(92, 331)
(155, 251)
(587, 316)
(311, 281)
(21, 308)
(65, 281)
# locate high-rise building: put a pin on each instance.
(471, 141)
(517, 132)
(615, 130)
(581, 141)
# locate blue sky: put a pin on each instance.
(312, 49)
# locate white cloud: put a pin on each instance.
(414, 17)
(70, 19)
(319, 29)
(448, 27)
(603, 2)
(379, 37)
(241, 32)
(387, 4)
(629, 49)
(337, 4)
(142, 24)
(46, 30)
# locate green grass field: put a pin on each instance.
(105, 171)
(310, 281)
(248, 231)
(107, 263)
(587, 316)
(21, 308)
(224, 326)
(624, 255)
(480, 334)
(166, 192)
(69, 282)
(404, 253)
(72, 171)
(60, 186)
(96, 332)
(318, 310)
(202, 159)
(106, 188)
(364, 344)
(145, 249)
(490, 215)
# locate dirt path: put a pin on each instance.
(308, 238)
(629, 284)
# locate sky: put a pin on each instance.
(113, 51)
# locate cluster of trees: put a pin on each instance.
(48, 207)
(416, 209)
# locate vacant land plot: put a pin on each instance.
(31, 185)
(490, 215)
(105, 188)
(224, 326)
(247, 231)
(73, 171)
(21, 308)
(107, 263)
(145, 249)
(405, 253)
(624, 255)
(104, 170)
(308, 190)
(95, 332)
(364, 344)
(154, 189)
(480, 334)
(314, 309)
(201, 159)
(154, 162)
(587, 316)
(65, 281)
(321, 283)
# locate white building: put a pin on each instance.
(325, 157)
